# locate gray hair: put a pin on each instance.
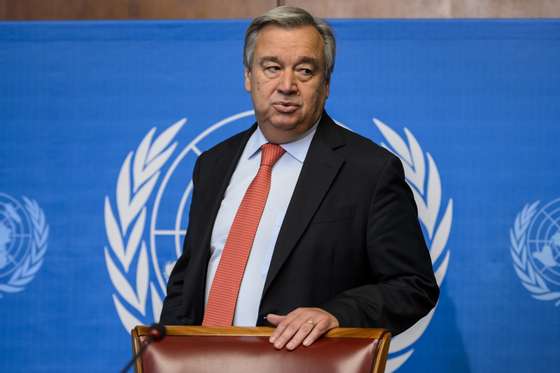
(290, 17)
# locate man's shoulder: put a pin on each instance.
(230, 145)
(361, 148)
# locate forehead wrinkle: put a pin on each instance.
(299, 60)
(276, 44)
(264, 59)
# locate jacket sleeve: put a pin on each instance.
(173, 302)
(402, 286)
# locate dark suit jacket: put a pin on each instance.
(350, 242)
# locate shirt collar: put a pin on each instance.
(296, 149)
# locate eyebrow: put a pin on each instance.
(301, 60)
(264, 59)
(309, 60)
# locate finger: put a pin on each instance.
(323, 326)
(286, 330)
(315, 333)
(275, 319)
(282, 324)
(303, 331)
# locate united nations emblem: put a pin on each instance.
(535, 250)
(146, 220)
(23, 242)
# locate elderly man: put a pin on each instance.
(297, 222)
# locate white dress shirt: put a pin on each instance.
(285, 174)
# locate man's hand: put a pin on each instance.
(301, 325)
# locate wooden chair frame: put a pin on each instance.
(382, 335)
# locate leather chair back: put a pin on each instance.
(195, 349)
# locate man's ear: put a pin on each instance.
(247, 75)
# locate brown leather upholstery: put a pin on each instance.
(193, 349)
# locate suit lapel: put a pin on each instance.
(320, 168)
(223, 167)
(222, 163)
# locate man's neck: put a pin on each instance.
(286, 137)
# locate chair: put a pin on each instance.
(196, 349)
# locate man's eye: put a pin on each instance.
(306, 72)
(272, 69)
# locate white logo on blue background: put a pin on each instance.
(146, 219)
(23, 242)
(535, 250)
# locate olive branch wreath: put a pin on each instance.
(426, 188)
(137, 179)
(530, 279)
(124, 230)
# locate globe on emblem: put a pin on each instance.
(543, 242)
(15, 235)
(5, 239)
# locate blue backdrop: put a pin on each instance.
(100, 123)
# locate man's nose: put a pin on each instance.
(287, 84)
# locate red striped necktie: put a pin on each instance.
(222, 299)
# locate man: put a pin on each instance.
(297, 222)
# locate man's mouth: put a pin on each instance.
(285, 107)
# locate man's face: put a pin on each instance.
(287, 81)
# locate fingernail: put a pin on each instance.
(306, 343)
(290, 346)
(271, 339)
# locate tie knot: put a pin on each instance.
(270, 153)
